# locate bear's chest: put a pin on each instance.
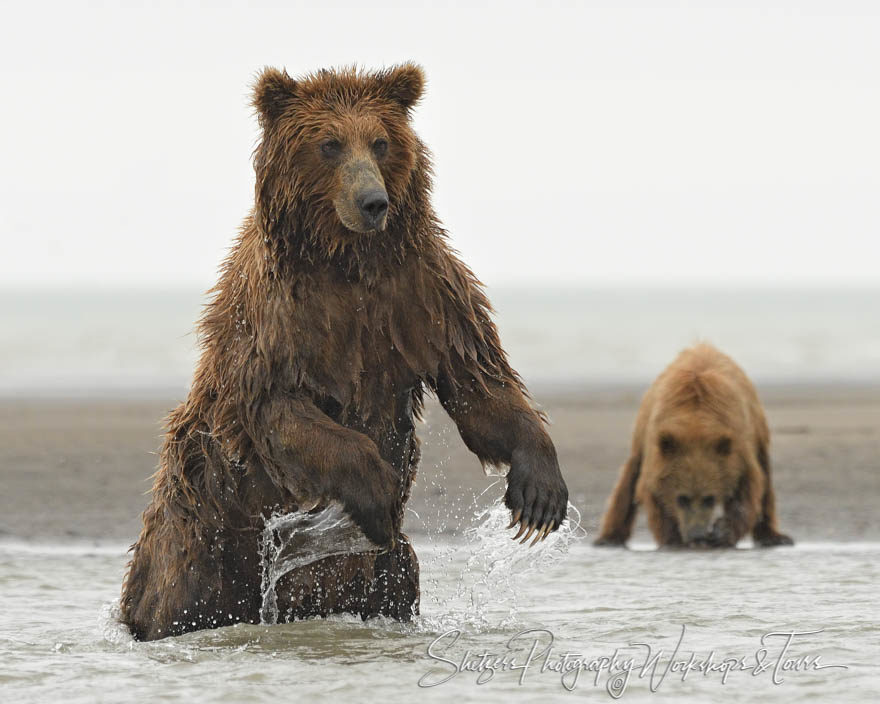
(365, 346)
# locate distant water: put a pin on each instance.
(573, 613)
(115, 341)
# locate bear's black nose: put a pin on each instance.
(373, 206)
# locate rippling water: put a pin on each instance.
(58, 632)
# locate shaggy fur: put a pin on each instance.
(699, 463)
(318, 345)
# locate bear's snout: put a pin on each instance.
(711, 536)
(373, 204)
(698, 534)
(362, 202)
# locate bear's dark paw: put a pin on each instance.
(377, 507)
(379, 523)
(772, 539)
(536, 494)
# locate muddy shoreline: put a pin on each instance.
(79, 469)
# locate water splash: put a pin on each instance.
(292, 540)
(496, 551)
(496, 568)
(471, 569)
(111, 628)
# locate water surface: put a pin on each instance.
(58, 632)
(142, 342)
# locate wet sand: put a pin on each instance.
(79, 469)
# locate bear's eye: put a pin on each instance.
(331, 147)
(668, 445)
(723, 447)
(380, 147)
(684, 501)
(708, 501)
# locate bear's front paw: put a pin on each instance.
(772, 539)
(378, 525)
(376, 508)
(536, 494)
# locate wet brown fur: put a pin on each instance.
(700, 432)
(317, 347)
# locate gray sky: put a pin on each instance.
(583, 143)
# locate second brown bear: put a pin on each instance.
(699, 463)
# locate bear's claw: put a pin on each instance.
(516, 516)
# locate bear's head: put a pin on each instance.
(697, 451)
(337, 154)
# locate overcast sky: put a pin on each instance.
(584, 143)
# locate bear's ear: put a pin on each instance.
(273, 91)
(403, 84)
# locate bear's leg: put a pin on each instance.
(662, 525)
(621, 512)
(211, 583)
(366, 584)
(765, 532)
(396, 582)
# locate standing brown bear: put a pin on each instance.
(700, 463)
(340, 304)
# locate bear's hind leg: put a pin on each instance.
(367, 584)
(395, 583)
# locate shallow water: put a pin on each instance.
(58, 633)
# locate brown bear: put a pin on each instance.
(700, 463)
(339, 306)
